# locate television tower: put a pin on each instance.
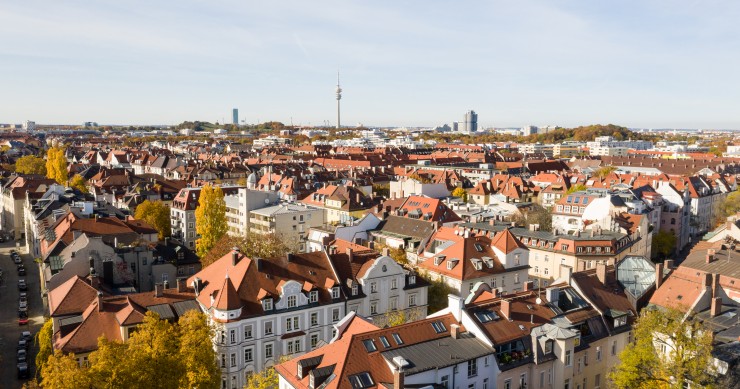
(339, 97)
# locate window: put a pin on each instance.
(313, 296)
(472, 368)
(294, 346)
(373, 287)
(369, 345)
(248, 357)
(362, 380)
(598, 353)
(567, 358)
(314, 340)
(516, 278)
(223, 360)
(397, 338)
(471, 386)
(445, 381)
(335, 292)
(393, 304)
(233, 360)
(291, 301)
(412, 279)
(268, 328)
(248, 332)
(291, 323)
(354, 289)
(566, 384)
(267, 304)
(548, 346)
(542, 379)
(412, 300)
(268, 351)
(523, 381)
(507, 384)
(232, 336)
(314, 319)
(597, 380)
(385, 342)
(614, 347)
(373, 308)
(547, 271)
(335, 314)
(439, 327)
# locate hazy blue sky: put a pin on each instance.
(637, 63)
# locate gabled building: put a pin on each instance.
(340, 203)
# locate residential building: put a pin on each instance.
(14, 194)
(341, 203)
(289, 220)
(239, 204)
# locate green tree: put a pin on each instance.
(576, 188)
(541, 216)
(44, 341)
(197, 355)
(604, 171)
(729, 206)
(664, 243)
(210, 218)
(437, 295)
(687, 357)
(30, 164)
(56, 165)
(382, 190)
(462, 193)
(78, 182)
(253, 246)
(157, 214)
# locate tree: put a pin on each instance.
(541, 216)
(253, 246)
(210, 218)
(687, 357)
(30, 164)
(417, 177)
(63, 372)
(151, 350)
(78, 182)
(44, 341)
(604, 171)
(462, 193)
(576, 188)
(266, 379)
(382, 190)
(157, 214)
(664, 243)
(398, 254)
(197, 356)
(56, 165)
(110, 366)
(729, 206)
(437, 295)
(396, 318)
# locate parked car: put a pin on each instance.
(22, 296)
(23, 305)
(23, 372)
(26, 335)
(13, 252)
(22, 285)
(21, 271)
(22, 318)
(22, 345)
(21, 356)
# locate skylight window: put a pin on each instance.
(397, 338)
(439, 327)
(361, 381)
(385, 342)
(369, 345)
(486, 316)
(478, 247)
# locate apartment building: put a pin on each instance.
(289, 220)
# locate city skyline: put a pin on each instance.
(641, 64)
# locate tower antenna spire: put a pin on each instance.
(339, 97)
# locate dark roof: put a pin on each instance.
(402, 226)
(439, 353)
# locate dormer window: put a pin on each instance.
(291, 301)
(313, 296)
(412, 279)
(620, 321)
(354, 289)
(267, 304)
(335, 292)
(548, 346)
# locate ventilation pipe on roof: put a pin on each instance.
(158, 290)
(658, 275)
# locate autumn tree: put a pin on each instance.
(669, 351)
(437, 294)
(252, 245)
(663, 243)
(210, 218)
(729, 206)
(63, 372)
(461, 193)
(157, 214)
(576, 188)
(197, 355)
(78, 182)
(541, 216)
(604, 171)
(44, 342)
(30, 164)
(56, 165)
(266, 379)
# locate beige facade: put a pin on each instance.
(290, 221)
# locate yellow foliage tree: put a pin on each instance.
(79, 183)
(63, 372)
(197, 356)
(210, 218)
(30, 164)
(157, 214)
(43, 340)
(56, 165)
(460, 192)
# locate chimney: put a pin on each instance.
(715, 284)
(398, 373)
(494, 292)
(91, 261)
(100, 301)
(349, 254)
(668, 264)
(357, 198)
(158, 290)
(658, 275)
(491, 221)
(716, 308)
(181, 284)
(289, 257)
(386, 252)
(710, 255)
(455, 331)
(707, 280)
(234, 256)
(506, 309)
(529, 285)
(601, 272)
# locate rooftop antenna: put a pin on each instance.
(339, 97)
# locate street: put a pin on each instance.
(9, 329)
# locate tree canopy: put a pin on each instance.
(78, 182)
(252, 245)
(30, 164)
(576, 188)
(668, 352)
(157, 214)
(664, 243)
(159, 354)
(56, 165)
(727, 207)
(210, 218)
(461, 193)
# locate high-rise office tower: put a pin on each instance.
(235, 116)
(470, 124)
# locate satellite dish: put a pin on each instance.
(538, 301)
(267, 201)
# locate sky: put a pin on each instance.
(642, 63)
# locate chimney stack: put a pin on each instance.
(668, 264)
(398, 377)
(158, 290)
(658, 275)
(100, 301)
(529, 285)
(601, 272)
(710, 255)
(349, 254)
(386, 252)
(455, 331)
(506, 309)
(181, 285)
(289, 257)
(234, 256)
(716, 308)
